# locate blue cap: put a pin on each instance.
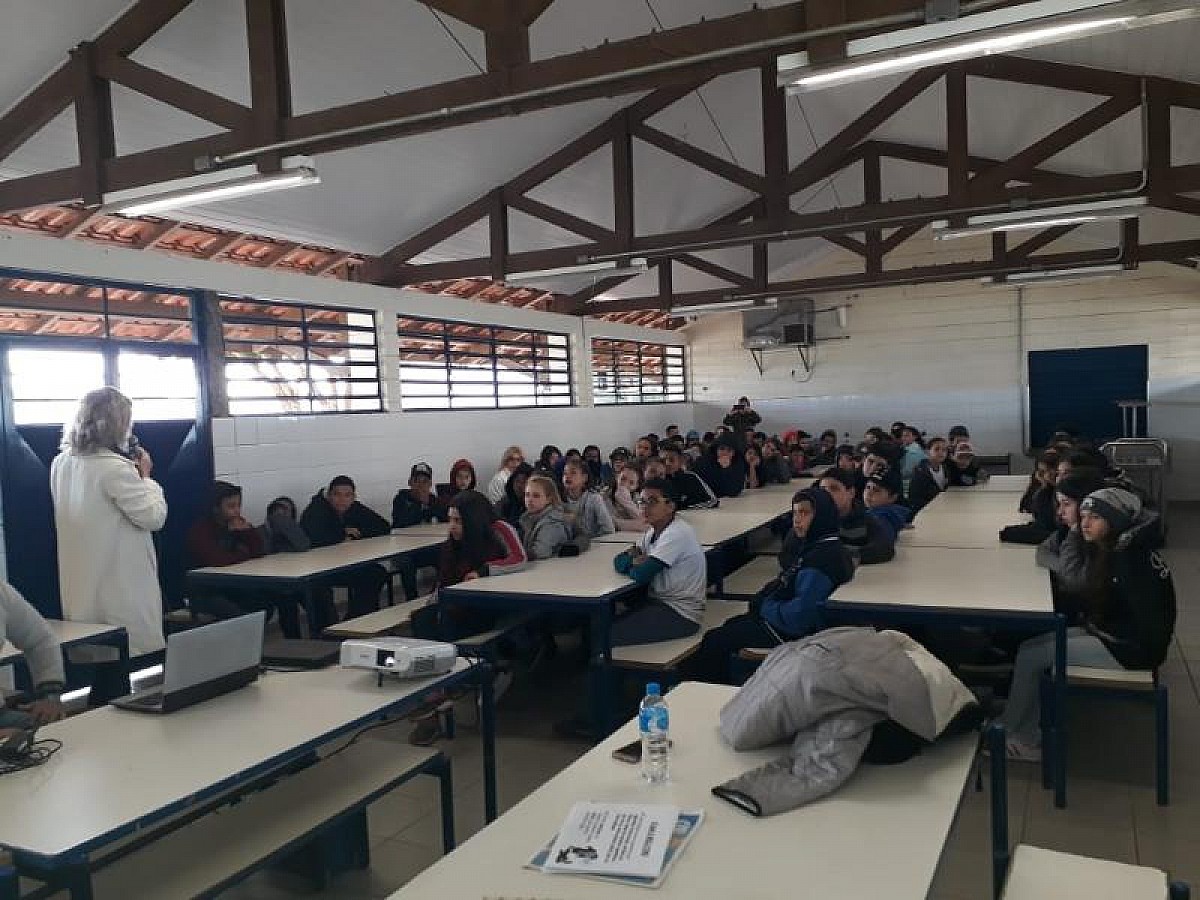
(653, 687)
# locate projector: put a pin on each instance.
(405, 657)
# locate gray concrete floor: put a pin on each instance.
(1111, 811)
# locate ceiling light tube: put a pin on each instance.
(982, 34)
(607, 269)
(1078, 272)
(724, 306)
(214, 192)
(1046, 217)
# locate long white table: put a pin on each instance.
(70, 634)
(713, 527)
(964, 521)
(879, 835)
(1013, 484)
(119, 772)
(302, 572)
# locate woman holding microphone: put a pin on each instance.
(106, 508)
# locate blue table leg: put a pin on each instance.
(999, 799)
(487, 721)
(1060, 712)
(8, 883)
(601, 674)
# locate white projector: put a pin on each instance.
(402, 656)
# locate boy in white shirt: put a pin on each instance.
(669, 560)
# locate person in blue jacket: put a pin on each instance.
(790, 606)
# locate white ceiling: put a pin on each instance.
(373, 197)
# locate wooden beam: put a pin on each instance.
(700, 264)
(873, 194)
(93, 123)
(173, 92)
(1187, 205)
(751, 181)
(846, 242)
(270, 80)
(957, 154)
(1063, 76)
(561, 218)
(899, 236)
(498, 235)
(622, 180)
(35, 110)
(775, 146)
(1032, 245)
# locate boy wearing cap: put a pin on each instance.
(418, 503)
(1128, 610)
(867, 538)
(882, 497)
(962, 466)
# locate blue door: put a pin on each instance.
(1080, 389)
(42, 376)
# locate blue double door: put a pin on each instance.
(40, 384)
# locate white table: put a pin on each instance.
(302, 572)
(963, 526)
(998, 587)
(713, 527)
(69, 634)
(439, 530)
(1012, 484)
(879, 835)
(121, 771)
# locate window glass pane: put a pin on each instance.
(297, 358)
(633, 372)
(47, 384)
(485, 366)
(161, 387)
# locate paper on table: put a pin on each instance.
(613, 839)
(685, 826)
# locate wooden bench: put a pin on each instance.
(219, 849)
(1137, 684)
(1037, 874)
(388, 620)
(745, 582)
(665, 656)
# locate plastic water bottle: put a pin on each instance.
(654, 724)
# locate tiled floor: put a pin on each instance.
(1111, 811)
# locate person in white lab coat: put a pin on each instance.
(106, 508)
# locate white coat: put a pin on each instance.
(105, 512)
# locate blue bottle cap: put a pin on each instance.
(654, 687)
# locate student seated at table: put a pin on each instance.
(513, 457)
(930, 477)
(462, 478)
(512, 507)
(796, 460)
(335, 516)
(478, 545)
(867, 538)
(753, 460)
(1128, 611)
(544, 528)
(826, 450)
(958, 434)
(883, 499)
(584, 508)
(224, 538)
(774, 468)
(1038, 501)
(963, 467)
(669, 561)
(1064, 553)
(23, 626)
(722, 469)
(280, 531)
(548, 462)
(914, 450)
(790, 606)
(847, 459)
(417, 503)
(623, 505)
(690, 488)
(601, 471)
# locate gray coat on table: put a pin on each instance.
(825, 694)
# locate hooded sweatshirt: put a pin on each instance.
(725, 482)
(451, 490)
(325, 527)
(894, 516)
(592, 517)
(821, 565)
(545, 532)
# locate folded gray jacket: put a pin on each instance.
(825, 693)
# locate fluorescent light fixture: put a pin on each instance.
(607, 269)
(1046, 217)
(1071, 274)
(981, 34)
(725, 306)
(214, 192)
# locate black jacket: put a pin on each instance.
(325, 527)
(774, 470)
(922, 488)
(693, 491)
(867, 538)
(408, 510)
(1139, 617)
(964, 476)
(724, 482)
(739, 422)
(1039, 502)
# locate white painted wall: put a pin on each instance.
(938, 355)
(295, 455)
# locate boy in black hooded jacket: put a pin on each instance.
(334, 516)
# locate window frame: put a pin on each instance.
(612, 370)
(306, 345)
(447, 367)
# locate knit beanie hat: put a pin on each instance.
(1079, 483)
(1116, 506)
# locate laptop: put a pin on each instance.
(294, 653)
(203, 663)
